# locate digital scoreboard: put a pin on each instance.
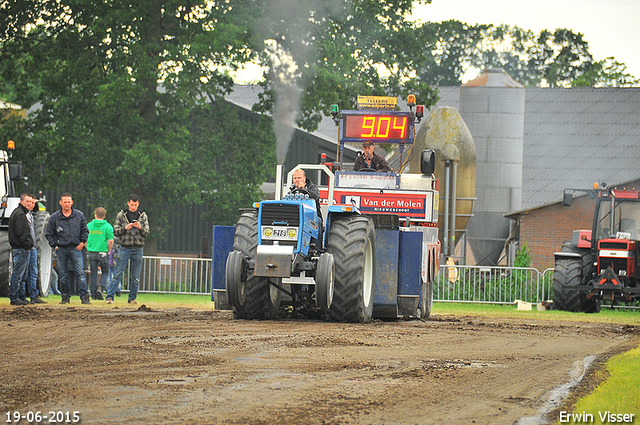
(376, 127)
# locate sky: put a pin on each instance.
(611, 27)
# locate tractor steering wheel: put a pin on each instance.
(368, 170)
(301, 190)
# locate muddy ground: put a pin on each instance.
(181, 366)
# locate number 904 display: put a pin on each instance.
(389, 128)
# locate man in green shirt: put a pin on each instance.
(99, 245)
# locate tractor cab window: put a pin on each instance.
(623, 223)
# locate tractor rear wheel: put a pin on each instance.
(260, 299)
(567, 275)
(5, 263)
(352, 242)
(569, 272)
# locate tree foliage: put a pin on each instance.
(558, 58)
(341, 49)
(113, 87)
(127, 95)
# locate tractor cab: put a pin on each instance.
(615, 230)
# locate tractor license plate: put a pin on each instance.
(279, 233)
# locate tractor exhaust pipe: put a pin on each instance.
(279, 171)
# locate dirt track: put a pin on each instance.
(124, 365)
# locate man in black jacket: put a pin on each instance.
(67, 232)
(370, 160)
(22, 237)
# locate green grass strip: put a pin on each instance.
(617, 396)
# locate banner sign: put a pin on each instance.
(377, 102)
(417, 206)
(353, 179)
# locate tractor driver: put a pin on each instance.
(370, 160)
(300, 181)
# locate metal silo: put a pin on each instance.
(492, 106)
(446, 133)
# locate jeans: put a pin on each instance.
(126, 254)
(20, 269)
(31, 277)
(98, 259)
(53, 289)
(66, 253)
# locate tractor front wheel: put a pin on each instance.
(5, 264)
(426, 300)
(234, 280)
(325, 275)
(255, 298)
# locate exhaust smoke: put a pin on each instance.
(287, 98)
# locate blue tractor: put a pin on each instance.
(281, 251)
(370, 251)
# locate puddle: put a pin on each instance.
(558, 394)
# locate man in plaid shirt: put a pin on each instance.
(132, 228)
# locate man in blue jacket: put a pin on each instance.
(67, 232)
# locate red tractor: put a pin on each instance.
(601, 263)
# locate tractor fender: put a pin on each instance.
(338, 211)
(560, 254)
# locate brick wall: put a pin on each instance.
(545, 229)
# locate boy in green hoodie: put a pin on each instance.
(99, 245)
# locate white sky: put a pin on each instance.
(612, 27)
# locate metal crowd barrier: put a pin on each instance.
(453, 283)
(175, 275)
(497, 285)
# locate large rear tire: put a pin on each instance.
(261, 300)
(352, 242)
(45, 253)
(5, 263)
(567, 275)
(569, 272)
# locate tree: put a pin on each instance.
(340, 49)
(447, 50)
(117, 85)
(606, 73)
(558, 58)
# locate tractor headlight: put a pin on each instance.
(268, 231)
(293, 233)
